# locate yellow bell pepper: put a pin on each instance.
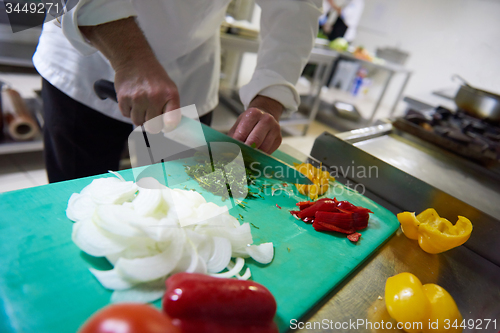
(320, 178)
(435, 234)
(443, 310)
(406, 302)
(417, 308)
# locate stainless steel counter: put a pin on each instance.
(472, 280)
(450, 173)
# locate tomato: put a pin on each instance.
(128, 318)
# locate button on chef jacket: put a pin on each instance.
(184, 35)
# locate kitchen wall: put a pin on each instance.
(443, 36)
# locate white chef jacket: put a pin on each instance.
(352, 15)
(184, 35)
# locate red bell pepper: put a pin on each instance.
(354, 237)
(304, 204)
(201, 303)
(324, 205)
(340, 220)
(333, 215)
(324, 226)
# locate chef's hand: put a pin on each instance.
(258, 126)
(145, 92)
(143, 87)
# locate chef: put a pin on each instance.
(161, 55)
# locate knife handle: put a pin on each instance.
(105, 89)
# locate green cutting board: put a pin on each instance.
(45, 285)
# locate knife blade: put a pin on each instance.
(259, 162)
(262, 164)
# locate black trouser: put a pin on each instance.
(80, 141)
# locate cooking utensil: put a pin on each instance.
(478, 103)
(256, 160)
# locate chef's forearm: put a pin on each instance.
(121, 42)
(268, 105)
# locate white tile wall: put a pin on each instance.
(443, 37)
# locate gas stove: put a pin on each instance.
(456, 131)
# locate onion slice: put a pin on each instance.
(246, 276)
(92, 240)
(238, 266)
(221, 255)
(147, 201)
(262, 253)
(80, 207)
(112, 279)
(115, 219)
(154, 267)
(141, 293)
(111, 190)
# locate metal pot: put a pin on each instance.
(478, 103)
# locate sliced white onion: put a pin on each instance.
(205, 248)
(184, 203)
(221, 255)
(111, 190)
(221, 219)
(80, 207)
(191, 262)
(262, 253)
(238, 266)
(150, 182)
(112, 279)
(239, 236)
(148, 234)
(116, 174)
(113, 258)
(207, 214)
(92, 240)
(246, 276)
(154, 267)
(194, 198)
(147, 201)
(141, 293)
(115, 219)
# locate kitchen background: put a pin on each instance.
(439, 37)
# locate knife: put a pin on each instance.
(256, 160)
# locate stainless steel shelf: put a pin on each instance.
(10, 147)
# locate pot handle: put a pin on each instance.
(456, 77)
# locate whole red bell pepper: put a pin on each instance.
(201, 303)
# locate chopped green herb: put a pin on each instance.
(241, 216)
(253, 225)
(215, 178)
(288, 249)
(253, 145)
